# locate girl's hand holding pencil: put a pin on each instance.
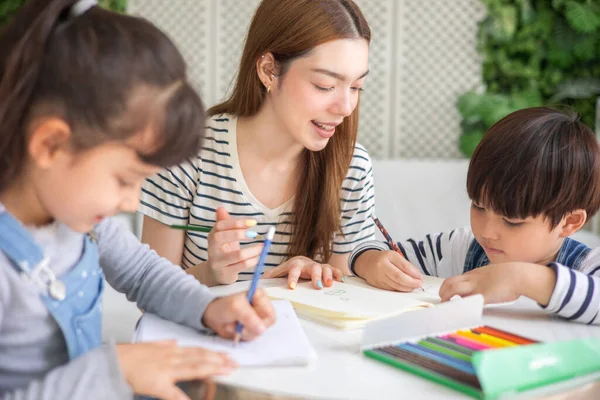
(223, 314)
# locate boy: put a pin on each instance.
(533, 180)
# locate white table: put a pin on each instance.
(343, 372)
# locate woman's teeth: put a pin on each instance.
(324, 127)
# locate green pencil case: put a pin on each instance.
(510, 372)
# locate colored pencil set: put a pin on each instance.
(449, 356)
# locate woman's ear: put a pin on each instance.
(267, 69)
(572, 222)
(48, 139)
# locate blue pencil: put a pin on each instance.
(256, 277)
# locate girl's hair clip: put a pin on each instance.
(81, 7)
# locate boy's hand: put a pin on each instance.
(500, 283)
(305, 268)
(153, 369)
(497, 283)
(388, 270)
(223, 314)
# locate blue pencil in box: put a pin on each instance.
(256, 277)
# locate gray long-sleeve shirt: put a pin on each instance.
(33, 355)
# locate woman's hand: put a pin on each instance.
(305, 268)
(226, 258)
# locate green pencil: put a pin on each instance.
(195, 228)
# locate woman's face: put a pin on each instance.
(320, 89)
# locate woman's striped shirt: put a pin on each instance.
(191, 192)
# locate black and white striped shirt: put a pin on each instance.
(191, 192)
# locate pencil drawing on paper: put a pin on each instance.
(337, 292)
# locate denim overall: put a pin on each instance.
(73, 299)
(571, 254)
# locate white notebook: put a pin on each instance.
(351, 305)
(283, 344)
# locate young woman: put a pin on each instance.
(280, 151)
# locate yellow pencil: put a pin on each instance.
(486, 339)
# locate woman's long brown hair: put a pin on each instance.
(289, 29)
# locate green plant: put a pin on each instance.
(115, 5)
(535, 52)
(8, 7)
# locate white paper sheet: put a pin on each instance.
(284, 343)
(352, 301)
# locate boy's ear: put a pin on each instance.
(48, 139)
(573, 222)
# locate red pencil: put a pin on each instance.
(387, 236)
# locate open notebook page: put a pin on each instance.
(284, 343)
(355, 300)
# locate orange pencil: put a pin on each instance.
(504, 335)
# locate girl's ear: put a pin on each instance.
(48, 139)
(573, 222)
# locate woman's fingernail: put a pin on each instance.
(292, 285)
(250, 223)
(344, 278)
(319, 284)
(251, 234)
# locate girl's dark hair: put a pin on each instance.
(537, 161)
(109, 76)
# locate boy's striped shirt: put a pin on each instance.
(576, 295)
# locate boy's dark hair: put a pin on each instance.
(107, 75)
(537, 161)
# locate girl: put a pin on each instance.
(91, 103)
(281, 150)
